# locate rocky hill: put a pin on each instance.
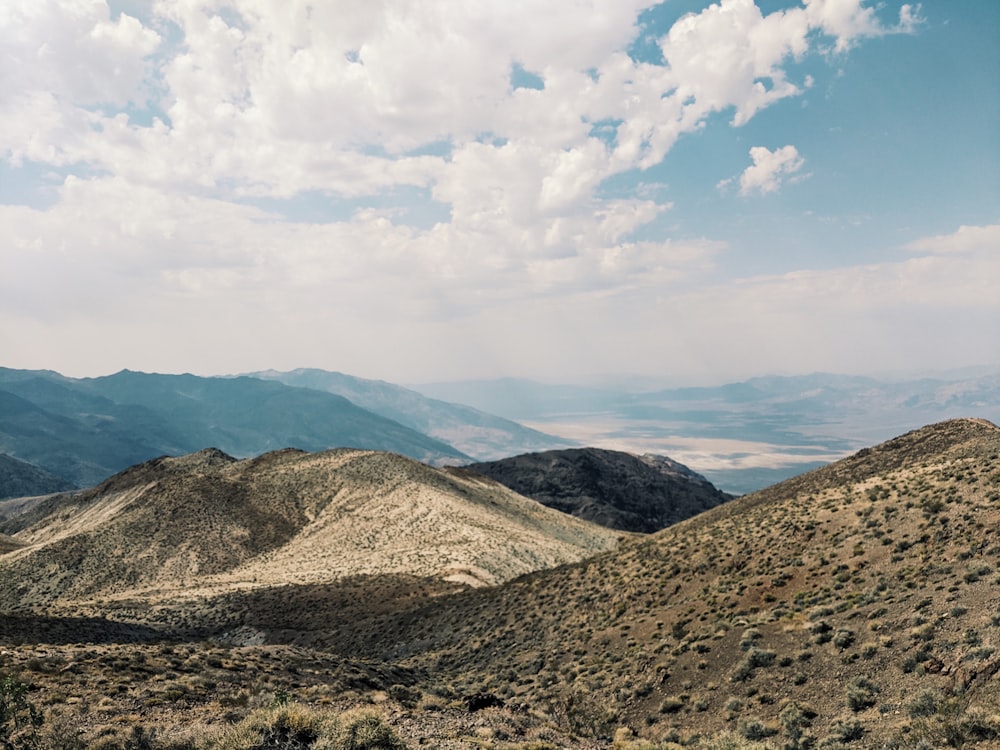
(857, 603)
(615, 489)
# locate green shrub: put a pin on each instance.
(19, 719)
(731, 741)
(754, 729)
(925, 703)
(749, 638)
(671, 704)
(756, 657)
(843, 638)
(846, 730)
(295, 727)
(861, 693)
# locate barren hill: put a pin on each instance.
(859, 602)
(612, 488)
(207, 522)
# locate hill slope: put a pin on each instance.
(856, 606)
(476, 433)
(612, 488)
(179, 527)
(84, 430)
(858, 601)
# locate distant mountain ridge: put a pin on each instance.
(85, 430)
(743, 436)
(476, 433)
(615, 489)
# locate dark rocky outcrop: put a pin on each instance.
(615, 489)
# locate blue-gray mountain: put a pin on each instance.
(482, 436)
(21, 479)
(84, 430)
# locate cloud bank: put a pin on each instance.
(455, 159)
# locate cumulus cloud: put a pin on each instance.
(74, 51)
(266, 98)
(770, 169)
(174, 122)
(848, 21)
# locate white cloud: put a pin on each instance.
(770, 169)
(74, 51)
(266, 98)
(967, 239)
(850, 20)
(189, 111)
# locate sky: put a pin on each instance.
(691, 191)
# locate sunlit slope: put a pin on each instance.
(206, 521)
(847, 591)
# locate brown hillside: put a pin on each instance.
(208, 522)
(842, 598)
(857, 606)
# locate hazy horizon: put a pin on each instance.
(622, 380)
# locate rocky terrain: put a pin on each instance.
(856, 606)
(615, 489)
(180, 528)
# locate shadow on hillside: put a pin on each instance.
(16, 629)
(289, 612)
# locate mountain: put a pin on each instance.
(743, 436)
(478, 434)
(84, 430)
(854, 606)
(20, 479)
(615, 489)
(520, 398)
(206, 521)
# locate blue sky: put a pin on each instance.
(687, 190)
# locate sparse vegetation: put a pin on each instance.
(779, 620)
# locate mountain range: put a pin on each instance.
(84, 430)
(482, 436)
(743, 436)
(851, 606)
